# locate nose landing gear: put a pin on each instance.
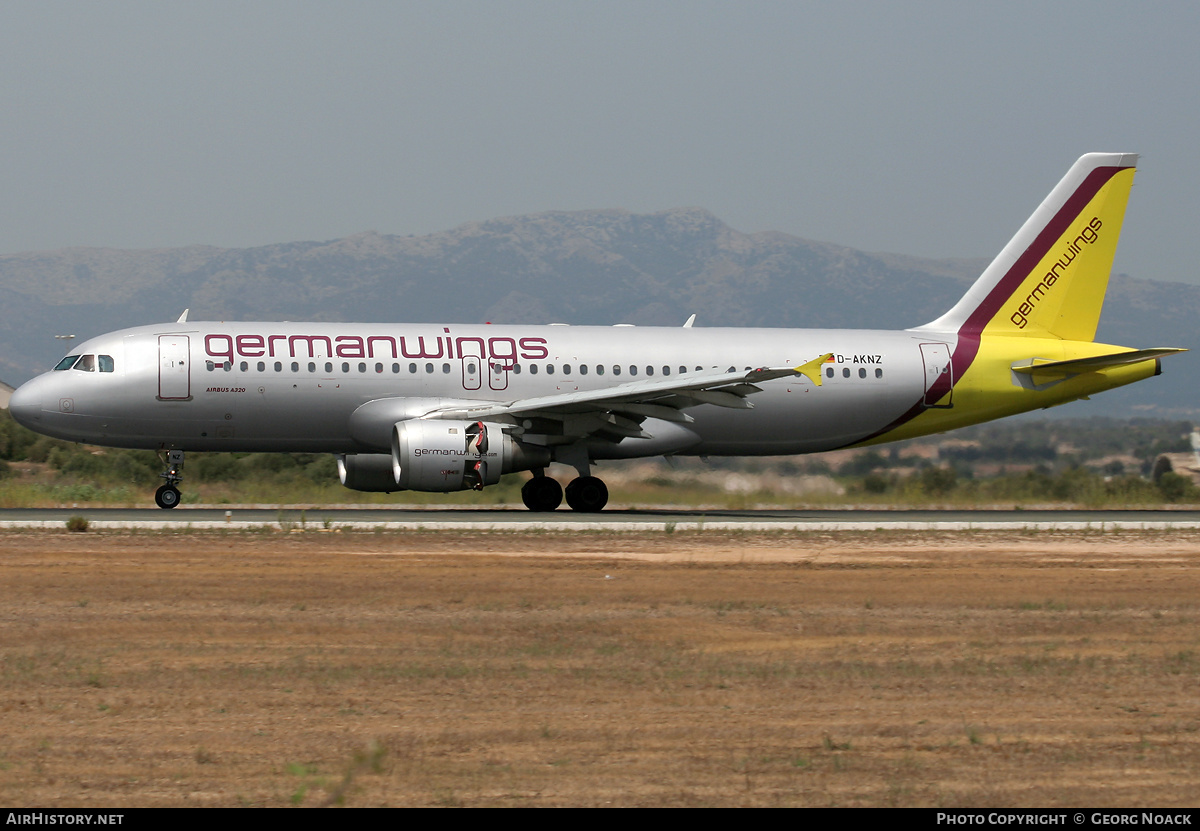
(168, 495)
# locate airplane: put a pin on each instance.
(451, 407)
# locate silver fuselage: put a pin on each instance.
(294, 386)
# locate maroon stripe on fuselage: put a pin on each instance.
(969, 333)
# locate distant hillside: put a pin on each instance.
(585, 267)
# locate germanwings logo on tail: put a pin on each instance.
(1087, 236)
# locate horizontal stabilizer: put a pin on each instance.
(1061, 369)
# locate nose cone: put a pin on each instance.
(26, 405)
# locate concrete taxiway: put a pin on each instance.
(426, 518)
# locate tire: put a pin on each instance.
(167, 497)
(587, 494)
(541, 494)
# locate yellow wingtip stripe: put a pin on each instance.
(812, 369)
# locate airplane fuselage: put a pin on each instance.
(295, 387)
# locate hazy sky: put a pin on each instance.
(924, 128)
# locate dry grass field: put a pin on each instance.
(955, 669)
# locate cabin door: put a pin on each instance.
(174, 368)
(939, 375)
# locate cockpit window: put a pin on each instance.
(86, 364)
(67, 362)
(106, 363)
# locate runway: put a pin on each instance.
(425, 518)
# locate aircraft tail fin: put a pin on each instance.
(1050, 280)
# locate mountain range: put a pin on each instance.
(581, 267)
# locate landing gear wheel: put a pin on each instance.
(587, 494)
(541, 493)
(167, 496)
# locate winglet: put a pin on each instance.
(183, 317)
(812, 369)
(690, 321)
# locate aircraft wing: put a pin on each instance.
(663, 398)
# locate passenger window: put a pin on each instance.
(228, 366)
(566, 369)
(295, 366)
(428, 369)
(395, 369)
(616, 370)
(378, 368)
(533, 369)
(412, 368)
(828, 372)
(549, 369)
(516, 368)
(878, 373)
(279, 366)
(649, 370)
(210, 366)
(67, 362)
(471, 368)
(345, 366)
(633, 370)
(328, 367)
(312, 367)
(243, 366)
(862, 373)
(87, 363)
(583, 369)
(106, 363)
(445, 369)
(599, 369)
(682, 370)
(846, 372)
(261, 366)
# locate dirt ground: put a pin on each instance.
(910, 668)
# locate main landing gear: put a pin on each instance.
(168, 495)
(587, 494)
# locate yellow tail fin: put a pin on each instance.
(1050, 280)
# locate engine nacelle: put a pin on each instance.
(435, 455)
(371, 472)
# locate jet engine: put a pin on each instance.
(440, 456)
(370, 472)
